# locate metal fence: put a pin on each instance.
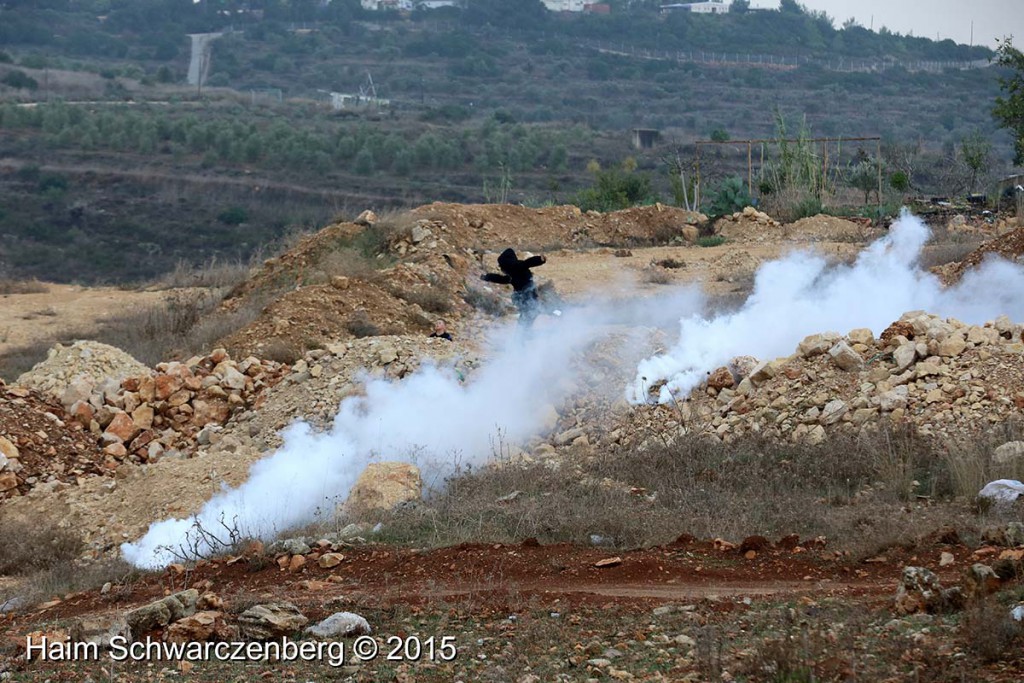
(843, 64)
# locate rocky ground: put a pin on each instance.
(95, 443)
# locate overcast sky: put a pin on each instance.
(993, 19)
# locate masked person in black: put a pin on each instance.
(524, 291)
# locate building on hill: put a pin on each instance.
(407, 5)
(705, 7)
(565, 5)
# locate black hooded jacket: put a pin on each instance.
(515, 272)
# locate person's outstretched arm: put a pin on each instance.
(496, 278)
(535, 261)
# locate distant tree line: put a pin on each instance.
(358, 148)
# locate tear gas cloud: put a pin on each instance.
(437, 422)
(429, 418)
(800, 295)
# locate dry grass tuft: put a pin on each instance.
(990, 631)
(12, 286)
(213, 274)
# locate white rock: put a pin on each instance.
(341, 625)
(817, 344)
(1002, 491)
(845, 357)
(833, 412)
(904, 356)
(896, 398)
(1007, 453)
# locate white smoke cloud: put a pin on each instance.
(429, 418)
(800, 295)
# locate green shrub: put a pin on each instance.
(20, 80)
(710, 241)
(730, 197)
(614, 190)
(235, 215)
(809, 206)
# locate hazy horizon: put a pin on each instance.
(993, 19)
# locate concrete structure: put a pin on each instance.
(705, 7)
(407, 5)
(340, 100)
(565, 5)
(375, 5)
(202, 51)
(645, 138)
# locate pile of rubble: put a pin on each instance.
(40, 447)
(748, 225)
(944, 377)
(146, 492)
(84, 361)
(325, 377)
(144, 416)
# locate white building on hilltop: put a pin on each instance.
(705, 7)
(406, 5)
(565, 5)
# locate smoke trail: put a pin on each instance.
(429, 418)
(800, 295)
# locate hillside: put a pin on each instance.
(489, 104)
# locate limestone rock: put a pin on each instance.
(8, 449)
(720, 379)
(341, 625)
(121, 429)
(817, 344)
(384, 485)
(904, 356)
(272, 620)
(201, 627)
(980, 580)
(162, 612)
(846, 358)
(366, 218)
(1010, 452)
(861, 335)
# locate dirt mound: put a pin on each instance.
(1010, 246)
(496, 226)
(294, 267)
(312, 317)
(40, 446)
(751, 225)
(87, 361)
(748, 225)
(822, 228)
(397, 274)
